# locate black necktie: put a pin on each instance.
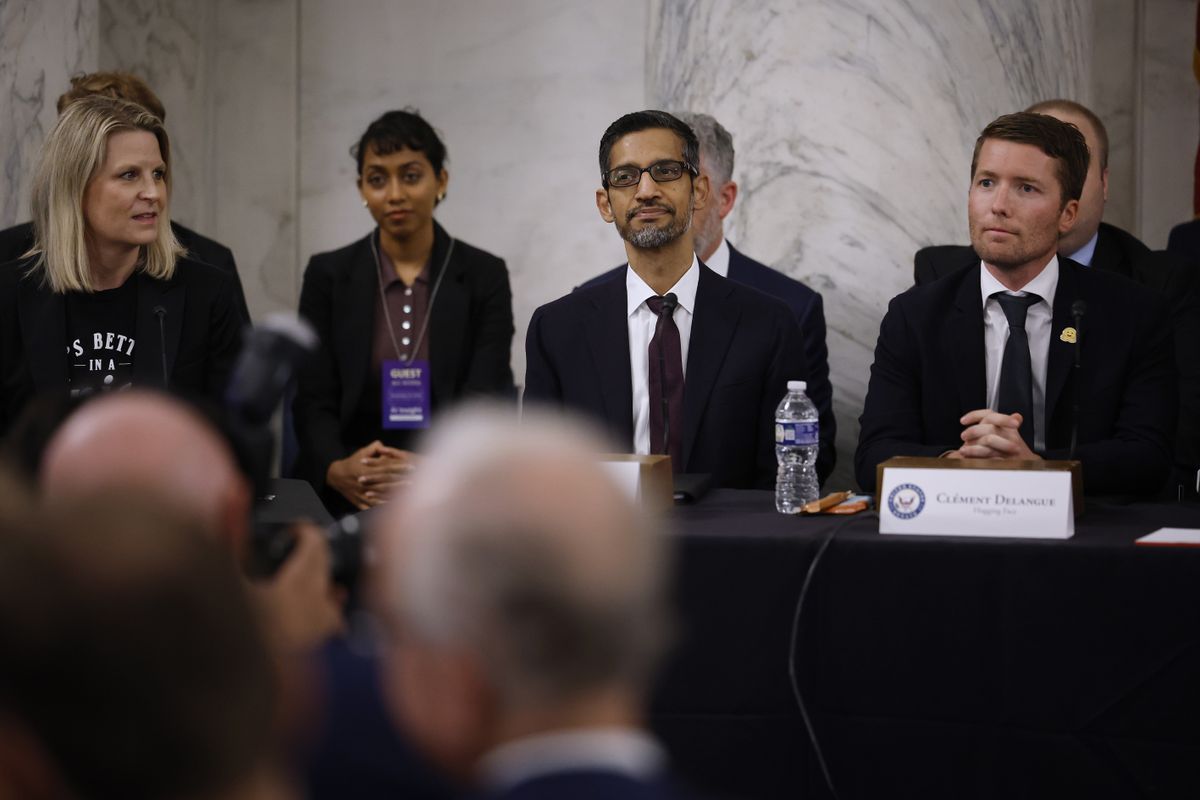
(666, 367)
(1016, 369)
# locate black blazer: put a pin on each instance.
(744, 348)
(201, 330)
(470, 339)
(929, 371)
(1172, 276)
(16, 241)
(810, 313)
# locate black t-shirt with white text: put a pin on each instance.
(100, 339)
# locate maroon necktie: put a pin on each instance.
(666, 370)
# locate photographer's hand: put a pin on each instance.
(300, 604)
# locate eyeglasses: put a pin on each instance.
(660, 171)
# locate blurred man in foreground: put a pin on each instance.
(526, 623)
(151, 444)
(133, 665)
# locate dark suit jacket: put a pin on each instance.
(201, 329)
(1171, 276)
(16, 241)
(470, 339)
(744, 348)
(929, 371)
(589, 784)
(1184, 242)
(810, 313)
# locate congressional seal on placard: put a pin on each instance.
(906, 501)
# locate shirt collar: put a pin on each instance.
(1085, 254)
(613, 749)
(718, 262)
(1044, 285)
(387, 270)
(636, 289)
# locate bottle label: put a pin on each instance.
(797, 433)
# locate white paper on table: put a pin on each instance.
(1189, 536)
(627, 475)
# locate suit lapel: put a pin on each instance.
(713, 325)
(157, 299)
(1062, 354)
(736, 265)
(43, 320)
(448, 318)
(355, 310)
(608, 341)
(1107, 255)
(964, 329)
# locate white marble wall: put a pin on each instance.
(226, 71)
(42, 43)
(164, 42)
(520, 92)
(854, 124)
(1168, 124)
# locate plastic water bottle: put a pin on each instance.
(797, 434)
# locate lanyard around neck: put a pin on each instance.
(387, 316)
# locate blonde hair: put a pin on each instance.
(72, 155)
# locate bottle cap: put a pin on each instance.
(797, 386)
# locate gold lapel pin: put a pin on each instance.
(1068, 335)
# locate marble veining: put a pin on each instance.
(164, 43)
(853, 123)
(41, 45)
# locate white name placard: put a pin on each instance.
(627, 475)
(977, 502)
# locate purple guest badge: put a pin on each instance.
(405, 394)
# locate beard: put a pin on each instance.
(652, 238)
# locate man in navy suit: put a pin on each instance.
(728, 350)
(716, 253)
(1107, 248)
(978, 364)
(524, 624)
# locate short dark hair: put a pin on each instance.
(1061, 141)
(644, 121)
(397, 130)
(1071, 107)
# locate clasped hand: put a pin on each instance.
(368, 475)
(990, 434)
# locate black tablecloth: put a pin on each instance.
(935, 666)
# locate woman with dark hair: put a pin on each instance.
(410, 319)
(106, 297)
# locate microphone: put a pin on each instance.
(669, 302)
(1078, 309)
(161, 313)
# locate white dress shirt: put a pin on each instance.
(1037, 327)
(718, 262)
(1085, 254)
(641, 330)
(627, 751)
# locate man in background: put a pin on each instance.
(524, 625)
(16, 241)
(716, 253)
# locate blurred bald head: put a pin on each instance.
(515, 552)
(146, 442)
